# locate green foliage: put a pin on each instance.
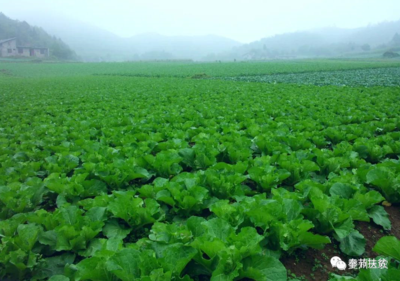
(32, 36)
(140, 178)
(388, 247)
(351, 78)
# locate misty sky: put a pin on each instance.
(242, 20)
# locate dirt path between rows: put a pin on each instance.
(315, 264)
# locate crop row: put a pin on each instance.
(351, 78)
(183, 69)
(118, 178)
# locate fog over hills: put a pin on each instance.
(92, 43)
(33, 36)
(95, 44)
(323, 42)
(180, 47)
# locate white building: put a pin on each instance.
(9, 48)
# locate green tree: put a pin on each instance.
(366, 47)
(396, 39)
(32, 36)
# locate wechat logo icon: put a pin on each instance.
(338, 263)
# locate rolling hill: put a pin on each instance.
(92, 43)
(324, 42)
(28, 35)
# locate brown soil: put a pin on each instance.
(314, 264)
(394, 215)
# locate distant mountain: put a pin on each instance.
(92, 43)
(89, 42)
(324, 42)
(181, 47)
(95, 44)
(32, 36)
(375, 35)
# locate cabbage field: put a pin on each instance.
(200, 171)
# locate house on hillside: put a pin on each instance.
(9, 48)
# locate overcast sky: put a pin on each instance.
(242, 20)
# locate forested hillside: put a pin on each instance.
(92, 43)
(33, 36)
(325, 42)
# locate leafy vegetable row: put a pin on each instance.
(118, 178)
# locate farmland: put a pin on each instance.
(189, 171)
(350, 78)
